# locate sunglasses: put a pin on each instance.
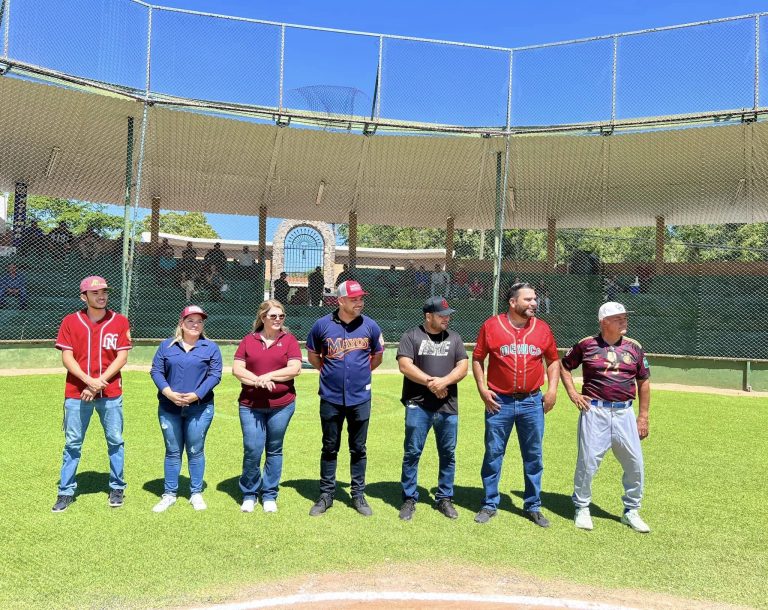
(276, 316)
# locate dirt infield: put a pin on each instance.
(410, 585)
(674, 387)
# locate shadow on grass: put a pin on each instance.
(231, 487)
(391, 493)
(562, 505)
(157, 486)
(92, 482)
(310, 489)
(472, 498)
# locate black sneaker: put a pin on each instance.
(445, 506)
(407, 509)
(485, 515)
(537, 517)
(324, 502)
(62, 503)
(361, 506)
(116, 498)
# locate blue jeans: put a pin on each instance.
(418, 422)
(77, 416)
(528, 415)
(263, 432)
(185, 429)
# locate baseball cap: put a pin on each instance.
(350, 288)
(611, 308)
(192, 309)
(437, 305)
(93, 282)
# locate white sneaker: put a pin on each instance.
(633, 520)
(248, 505)
(270, 506)
(197, 502)
(582, 519)
(164, 504)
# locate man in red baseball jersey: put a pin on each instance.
(515, 343)
(94, 344)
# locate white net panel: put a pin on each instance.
(636, 171)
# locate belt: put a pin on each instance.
(523, 395)
(596, 402)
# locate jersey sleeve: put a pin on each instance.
(550, 351)
(643, 368)
(241, 352)
(124, 336)
(573, 358)
(64, 340)
(157, 370)
(481, 347)
(377, 339)
(315, 338)
(293, 351)
(459, 350)
(406, 348)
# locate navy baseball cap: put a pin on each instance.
(437, 305)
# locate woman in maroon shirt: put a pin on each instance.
(266, 361)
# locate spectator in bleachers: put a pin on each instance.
(422, 281)
(390, 281)
(87, 244)
(439, 282)
(215, 258)
(316, 284)
(409, 276)
(460, 283)
(188, 285)
(476, 288)
(13, 284)
(60, 239)
(345, 275)
(189, 261)
(32, 238)
(282, 288)
(166, 263)
(246, 264)
(545, 303)
(611, 288)
(214, 282)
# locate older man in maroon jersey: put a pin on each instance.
(613, 365)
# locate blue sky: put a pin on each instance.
(580, 76)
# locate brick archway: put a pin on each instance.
(329, 247)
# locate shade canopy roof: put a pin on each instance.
(197, 161)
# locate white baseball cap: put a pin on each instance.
(611, 308)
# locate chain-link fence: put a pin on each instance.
(630, 167)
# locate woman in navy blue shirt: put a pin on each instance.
(185, 370)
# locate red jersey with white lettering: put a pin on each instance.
(95, 346)
(515, 354)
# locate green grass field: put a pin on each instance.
(705, 500)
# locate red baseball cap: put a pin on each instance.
(193, 309)
(93, 282)
(350, 288)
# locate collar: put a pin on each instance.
(107, 316)
(602, 342)
(262, 338)
(350, 325)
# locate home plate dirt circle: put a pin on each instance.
(402, 600)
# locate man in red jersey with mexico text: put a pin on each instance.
(516, 344)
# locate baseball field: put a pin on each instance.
(705, 458)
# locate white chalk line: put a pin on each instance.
(368, 596)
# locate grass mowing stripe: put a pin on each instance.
(705, 490)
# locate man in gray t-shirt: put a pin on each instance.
(433, 360)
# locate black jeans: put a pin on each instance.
(332, 418)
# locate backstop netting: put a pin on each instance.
(194, 158)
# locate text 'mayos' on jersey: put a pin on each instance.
(345, 377)
(515, 355)
(95, 346)
(609, 371)
(436, 355)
